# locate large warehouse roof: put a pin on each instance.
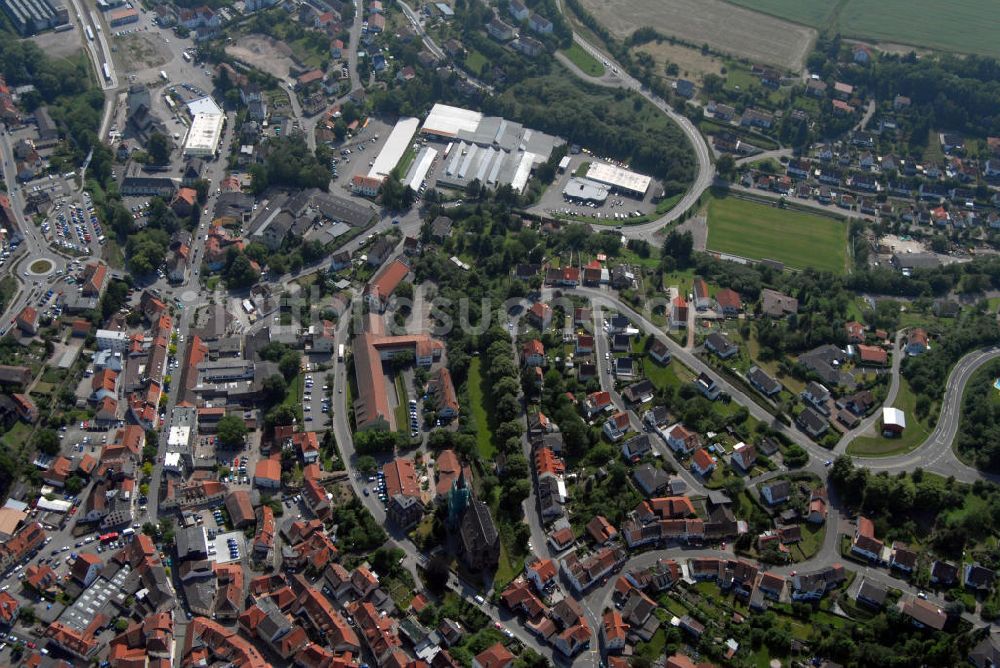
(418, 172)
(204, 135)
(204, 105)
(617, 177)
(447, 121)
(395, 146)
(585, 189)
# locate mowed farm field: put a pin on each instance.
(723, 26)
(759, 232)
(962, 26)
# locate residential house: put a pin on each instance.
(744, 457)
(678, 313)
(865, 544)
(902, 557)
(616, 426)
(533, 353)
(729, 302)
(721, 345)
(659, 352)
(817, 396)
(683, 441)
(944, 574)
(707, 386)
(924, 614)
(916, 342)
(775, 304)
(812, 423)
(872, 594)
(978, 577)
(764, 383)
(539, 24)
(776, 492)
(702, 462)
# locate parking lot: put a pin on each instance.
(617, 208)
(316, 396)
(377, 488)
(356, 155)
(73, 225)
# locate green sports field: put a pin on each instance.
(760, 231)
(962, 26)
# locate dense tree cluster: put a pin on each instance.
(614, 123)
(961, 93)
(231, 431)
(978, 436)
(289, 163)
(928, 372)
(359, 533)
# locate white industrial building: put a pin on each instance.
(204, 105)
(418, 170)
(204, 135)
(620, 180)
(489, 149)
(447, 121)
(585, 190)
(395, 146)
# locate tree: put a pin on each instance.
(275, 389)
(231, 431)
(366, 464)
(437, 574)
(679, 246)
(158, 148)
(241, 273)
(74, 484)
(290, 364)
(726, 166)
(47, 441)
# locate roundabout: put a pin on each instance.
(41, 267)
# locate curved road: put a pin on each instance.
(706, 170)
(936, 452)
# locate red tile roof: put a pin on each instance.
(401, 478)
(496, 656)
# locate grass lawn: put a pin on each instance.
(16, 436)
(758, 231)
(653, 649)
(506, 570)
(772, 367)
(812, 541)
(406, 161)
(294, 397)
(401, 407)
(668, 203)
(477, 398)
(474, 61)
(674, 374)
(674, 606)
(683, 280)
(307, 53)
(740, 76)
(963, 26)
(113, 254)
(916, 431)
(8, 286)
(584, 60)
